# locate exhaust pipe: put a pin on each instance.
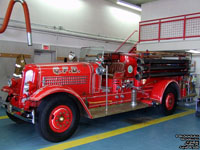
(27, 19)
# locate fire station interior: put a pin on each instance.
(108, 74)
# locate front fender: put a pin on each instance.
(48, 90)
(160, 87)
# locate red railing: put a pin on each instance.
(27, 18)
(176, 27)
(126, 40)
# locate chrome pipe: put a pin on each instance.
(33, 116)
(29, 39)
(133, 98)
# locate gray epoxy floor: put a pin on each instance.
(159, 136)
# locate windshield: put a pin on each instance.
(91, 54)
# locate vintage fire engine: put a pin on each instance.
(54, 96)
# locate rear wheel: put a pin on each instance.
(169, 101)
(58, 118)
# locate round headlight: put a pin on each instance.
(9, 82)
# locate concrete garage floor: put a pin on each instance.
(140, 130)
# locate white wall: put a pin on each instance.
(196, 58)
(172, 45)
(97, 17)
(166, 8)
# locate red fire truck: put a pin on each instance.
(54, 96)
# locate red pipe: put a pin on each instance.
(134, 48)
(159, 30)
(27, 18)
(184, 28)
(126, 40)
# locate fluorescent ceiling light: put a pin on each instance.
(135, 7)
(194, 51)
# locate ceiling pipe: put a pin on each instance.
(27, 19)
(64, 32)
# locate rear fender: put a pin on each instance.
(48, 90)
(160, 87)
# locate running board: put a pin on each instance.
(115, 109)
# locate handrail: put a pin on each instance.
(27, 19)
(126, 40)
(134, 48)
(165, 18)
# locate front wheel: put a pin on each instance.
(169, 101)
(58, 118)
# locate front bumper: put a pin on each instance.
(26, 116)
(2, 103)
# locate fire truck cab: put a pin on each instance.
(54, 96)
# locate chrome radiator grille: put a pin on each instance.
(66, 80)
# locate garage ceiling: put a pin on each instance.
(138, 2)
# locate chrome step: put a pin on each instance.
(115, 109)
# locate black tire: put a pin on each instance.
(47, 115)
(13, 118)
(169, 101)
